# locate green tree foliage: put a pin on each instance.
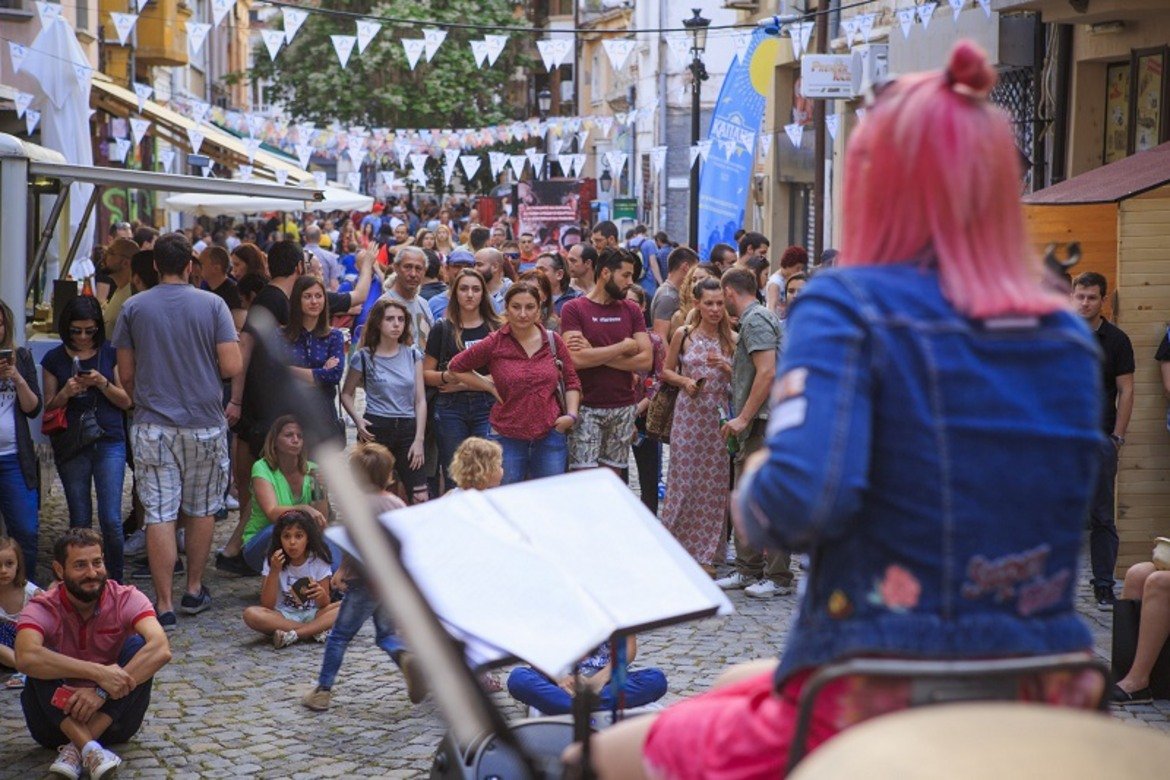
(377, 88)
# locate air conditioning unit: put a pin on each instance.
(742, 5)
(871, 65)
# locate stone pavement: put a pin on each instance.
(227, 705)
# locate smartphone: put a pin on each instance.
(62, 695)
(76, 366)
(7, 355)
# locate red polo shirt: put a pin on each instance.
(527, 385)
(98, 639)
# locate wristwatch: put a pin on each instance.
(102, 693)
(1118, 440)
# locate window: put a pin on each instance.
(1116, 112)
(1136, 105)
(82, 9)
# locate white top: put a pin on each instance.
(313, 568)
(30, 590)
(7, 417)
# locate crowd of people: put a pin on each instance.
(484, 359)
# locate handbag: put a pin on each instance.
(54, 421)
(1127, 615)
(660, 413)
(69, 443)
(560, 390)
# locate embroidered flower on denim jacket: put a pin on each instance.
(897, 591)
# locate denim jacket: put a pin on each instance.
(937, 470)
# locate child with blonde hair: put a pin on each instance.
(478, 464)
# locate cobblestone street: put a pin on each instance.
(228, 704)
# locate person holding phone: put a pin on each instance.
(81, 375)
(20, 401)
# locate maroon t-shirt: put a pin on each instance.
(604, 387)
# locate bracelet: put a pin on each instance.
(575, 417)
(100, 691)
(237, 403)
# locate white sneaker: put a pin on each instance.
(231, 504)
(766, 589)
(284, 638)
(135, 545)
(101, 762)
(733, 581)
(68, 763)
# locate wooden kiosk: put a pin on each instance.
(1120, 214)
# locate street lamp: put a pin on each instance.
(697, 27)
(544, 105)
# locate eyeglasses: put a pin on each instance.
(83, 331)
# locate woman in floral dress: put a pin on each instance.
(699, 364)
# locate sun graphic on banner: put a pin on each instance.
(763, 65)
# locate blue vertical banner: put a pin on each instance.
(726, 175)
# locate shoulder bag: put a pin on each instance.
(552, 347)
(660, 413)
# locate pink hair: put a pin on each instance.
(933, 170)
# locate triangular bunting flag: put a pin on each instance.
(765, 144)
(138, 128)
(17, 52)
(357, 156)
(245, 172)
(255, 124)
(448, 172)
(48, 13)
(618, 51)
(167, 158)
(906, 18)
(926, 13)
(795, 133)
(740, 42)
(196, 35)
(219, 9)
(387, 178)
(354, 180)
(293, 19)
(140, 4)
(657, 159)
(343, 45)
(604, 124)
(555, 144)
(865, 25)
(273, 40)
(281, 176)
(304, 155)
(22, 101)
(450, 157)
(680, 47)
(495, 47)
(560, 50)
(806, 31)
(199, 110)
(366, 30)
(536, 160)
(833, 124)
(479, 52)
(497, 161)
(307, 131)
(582, 137)
(414, 48)
(206, 170)
(470, 163)
(118, 150)
(705, 149)
(616, 162)
(402, 149)
(432, 39)
(517, 162)
(123, 24)
(251, 146)
(957, 9)
(729, 148)
(195, 138)
(566, 164)
(419, 175)
(143, 93)
(620, 118)
(319, 179)
(418, 161)
(986, 6)
(32, 118)
(850, 26)
(578, 164)
(546, 53)
(695, 154)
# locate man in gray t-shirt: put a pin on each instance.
(176, 345)
(666, 301)
(409, 266)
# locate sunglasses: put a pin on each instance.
(512, 255)
(83, 331)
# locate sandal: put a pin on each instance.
(16, 681)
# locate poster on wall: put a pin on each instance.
(550, 210)
(1149, 72)
(1116, 112)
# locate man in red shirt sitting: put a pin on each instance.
(90, 649)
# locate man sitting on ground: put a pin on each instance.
(80, 691)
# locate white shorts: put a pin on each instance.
(179, 469)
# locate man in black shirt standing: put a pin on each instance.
(1117, 369)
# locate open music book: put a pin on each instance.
(545, 571)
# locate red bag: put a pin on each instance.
(53, 421)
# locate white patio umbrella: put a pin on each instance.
(336, 199)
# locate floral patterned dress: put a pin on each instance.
(697, 487)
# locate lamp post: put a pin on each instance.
(544, 105)
(697, 27)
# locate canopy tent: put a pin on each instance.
(208, 205)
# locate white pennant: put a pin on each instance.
(497, 161)
(219, 9)
(560, 50)
(343, 45)
(419, 175)
(22, 101)
(695, 154)
(293, 19)
(319, 179)
(196, 35)
(546, 53)
(432, 39)
(140, 4)
(119, 149)
(402, 149)
(906, 18)
(517, 162)
(366, 30)
(281, 176)
(657, 159)
(255, 124)
(536, 160)
(414, 48)
(32, 118)
(740, 43)
(48, 13)
(308, 131)
(555, 144)
(986, 6)
(957, 9)
(925, 13)
(833, 124)
(418, 161)
(795, 133)
(578, 164)
(123, 24)
(354, 180)
(495, 47)
(566, 164)
(138, 128)
(273, 40)
(143, 93)
(604, 124)
(206, 170)
(850, 26)
(195, 138)
(479, 52)
(705, 149)
(17, 52)
(357, 156)
(618, 51)
(470, 163)
(251, 146)
(806, 31)
(620, 118)
(729, 148)
(245, 172)
(582, 137)
(680, 47)
(765, 144)
(865, 25)
(199, 110)
(304, 155)
(167, 158)
(450, 157)
(387, 178)
(448, 172)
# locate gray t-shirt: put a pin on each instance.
(174, 330)
(390, 385)
(420, 310)
(759, 330)
(665, 302)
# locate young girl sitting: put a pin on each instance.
(294, 599)
(15, 592)
(478, 464)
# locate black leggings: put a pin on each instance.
(397, 434)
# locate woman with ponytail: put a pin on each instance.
(932, 445)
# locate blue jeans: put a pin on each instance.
(356, 608)
(546, 457)
(19, 505)
(458, 416)
(255, 550)
(643, 686)
(103, 465)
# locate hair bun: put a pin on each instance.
(968, 67)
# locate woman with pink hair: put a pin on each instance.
(932, 445)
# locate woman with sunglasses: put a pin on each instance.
(932, 445)
(81, 375)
